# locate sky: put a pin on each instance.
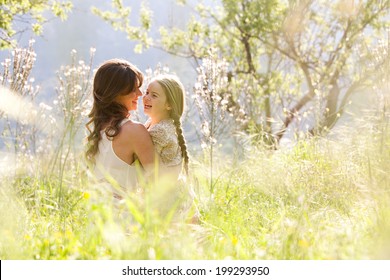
(83, 31)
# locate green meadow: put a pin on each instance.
(320, 199)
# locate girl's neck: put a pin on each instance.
(156, 121)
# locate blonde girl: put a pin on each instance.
(164, 103)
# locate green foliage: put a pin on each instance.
(119, 18)
(316, 201)
(294, 65)
(27, 13)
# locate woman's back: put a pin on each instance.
(110, 167)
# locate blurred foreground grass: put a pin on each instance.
(321, 199)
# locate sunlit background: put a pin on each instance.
(287, 124)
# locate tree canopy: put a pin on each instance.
(291, 66)
(20, 15)
(294, 65)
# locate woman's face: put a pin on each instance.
(130, 100)
(155, 102)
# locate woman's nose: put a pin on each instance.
(139, 92)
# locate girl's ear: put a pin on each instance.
(169, 107)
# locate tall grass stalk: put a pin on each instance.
(18, 135)
(73, 101)
(211, 99)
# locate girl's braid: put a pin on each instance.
(182, 141)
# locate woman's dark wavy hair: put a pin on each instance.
(114, 77)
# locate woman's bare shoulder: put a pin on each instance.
(135, 136)
(134, 131)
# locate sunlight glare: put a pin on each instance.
(7, 163)
(20, 109)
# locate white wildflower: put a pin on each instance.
(205, 129)
(77, 88)
(44, 106)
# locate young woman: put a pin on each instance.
(115, 143)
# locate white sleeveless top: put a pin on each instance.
(110, 168)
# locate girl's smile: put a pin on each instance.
(155, 103)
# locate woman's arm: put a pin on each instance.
(134, 142)
(143, 147)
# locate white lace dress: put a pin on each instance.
(177, 191)
(165, 141)
(166, 145)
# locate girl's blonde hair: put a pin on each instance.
(175, 93)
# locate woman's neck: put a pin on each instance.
(106, 124)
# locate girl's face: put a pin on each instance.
(130, 100)
(155, 102)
